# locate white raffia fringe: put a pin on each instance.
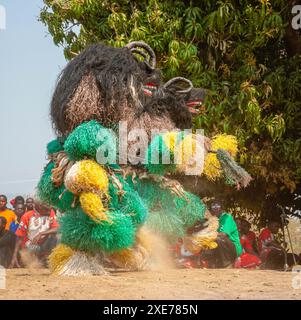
(82, 264)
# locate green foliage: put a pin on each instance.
(236, 49)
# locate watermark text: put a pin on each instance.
(296, 21)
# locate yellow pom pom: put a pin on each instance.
(195, 244)
(59, 257)
(170, 139)
(86, 176)
(92, 205)
(212, 167)
(226, 142)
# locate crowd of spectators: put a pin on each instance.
(28, 225)
(238, 246)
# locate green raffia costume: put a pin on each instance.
(130, 202)
(110, 211)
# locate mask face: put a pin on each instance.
(103, 83)
(216, 207)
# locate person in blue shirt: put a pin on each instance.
(19, 211)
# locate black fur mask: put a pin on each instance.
(119, 77)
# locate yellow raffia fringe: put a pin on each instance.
(196, 244)
(86, 176)
(92, 205)
(137, 257)
(212, 167)
(131, 258)
(59, 256)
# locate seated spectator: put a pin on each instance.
(185, 258)
(250, 234)
(19, 211)
(244, 239)
(36, 233)
(271, 252)
(7, 243)
(6, 213)
(249, 257)
(228, 243)
(29, 204)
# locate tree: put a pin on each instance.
(244, 52)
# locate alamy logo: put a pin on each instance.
(185, 149)
(2, 18)
(296, 21)
(2, 277)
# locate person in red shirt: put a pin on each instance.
(249, 258)
(250, 234)
(271, 251)
(36, 232)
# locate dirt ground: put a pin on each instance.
(168, 284)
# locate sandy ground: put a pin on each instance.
(168, 284)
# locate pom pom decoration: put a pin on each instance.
(106, 206)
(212, 166)
(86, 176)
(92, 205)
(58, 197)
(86, 139)
(80, 232)
(58, 258)
(160, 156)
(170, 139)
(55, 146)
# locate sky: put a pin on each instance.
(29, 66)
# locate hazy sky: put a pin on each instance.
(29, 65)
